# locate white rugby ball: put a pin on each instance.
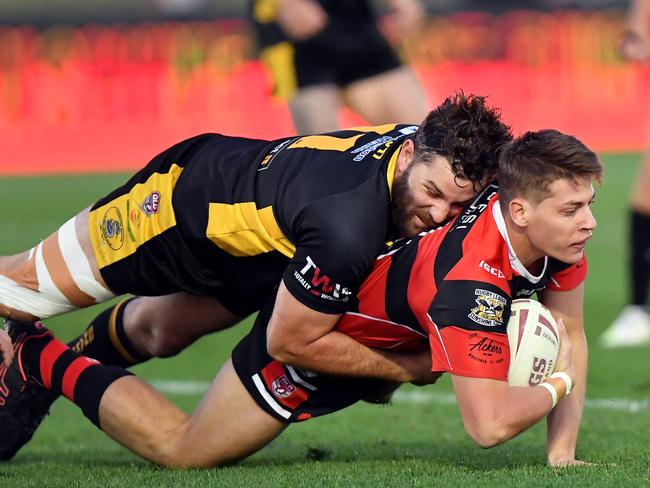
(534, 340)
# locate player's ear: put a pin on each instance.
(518, 210)
(405, 157)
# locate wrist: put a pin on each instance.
(568, 381)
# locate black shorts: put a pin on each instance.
(341, 54)
(142, 248)
(287, 393)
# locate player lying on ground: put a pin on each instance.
(213, 224)
(447, 289)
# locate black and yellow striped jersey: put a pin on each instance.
(343, 16)
(240, 214)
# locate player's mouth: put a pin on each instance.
(580, 245)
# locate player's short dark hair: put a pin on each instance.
(530, 163)
(468, 132)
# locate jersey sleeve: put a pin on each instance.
(338, 240)
(469, 335)
(570, 277)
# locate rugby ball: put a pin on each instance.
(534, 340)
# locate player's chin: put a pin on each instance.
(572, 255)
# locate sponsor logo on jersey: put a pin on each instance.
(134, 218)
(312, 278)
(377, 147)
(485, 350)
(491, 269)
(266, 160)
(489, 311)
(151, 204)
(112, 228)
(282, 387)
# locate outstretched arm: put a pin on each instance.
(494, 412)
(564, 421)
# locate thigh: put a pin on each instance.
(314, 109)
(56, 276)
(226, 426)
(392, 96)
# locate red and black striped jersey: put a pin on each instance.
(451, 288)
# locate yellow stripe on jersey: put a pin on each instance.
(241, 229)
(379, 129)
(278, 58)
(119, 227)
(325, 143)
(390, 171)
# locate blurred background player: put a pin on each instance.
(324, 53)
(632, 326)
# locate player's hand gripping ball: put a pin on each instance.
(534, 340)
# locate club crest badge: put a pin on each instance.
(151, 203)
(489, 309)
(282, 387)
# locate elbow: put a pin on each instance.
(281, 351)
(488, 434)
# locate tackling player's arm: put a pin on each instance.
(494, 412)
(305, 338)
(332, 258)
(564, 420)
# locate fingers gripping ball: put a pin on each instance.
(534, 340)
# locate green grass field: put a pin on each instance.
(418, 441)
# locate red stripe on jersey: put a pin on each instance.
(422, 284)
(50, 354)
(381, 334)
(281, 387)
(569, 278)
(476, 354)
(72, 374)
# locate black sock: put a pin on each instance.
(106, 341)
(639, 257)
(61, 370)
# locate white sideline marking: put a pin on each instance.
(191, 387)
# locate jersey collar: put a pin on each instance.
(390, 169)
(514, 260)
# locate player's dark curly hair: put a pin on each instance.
(468, 132)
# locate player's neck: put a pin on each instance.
(528, 254)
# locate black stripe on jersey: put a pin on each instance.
(451, 248)
(471, 305)
(397, 283)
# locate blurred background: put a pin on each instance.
(104, 85)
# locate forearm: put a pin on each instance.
(338, 354)
(501, 412)
(564, 420)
